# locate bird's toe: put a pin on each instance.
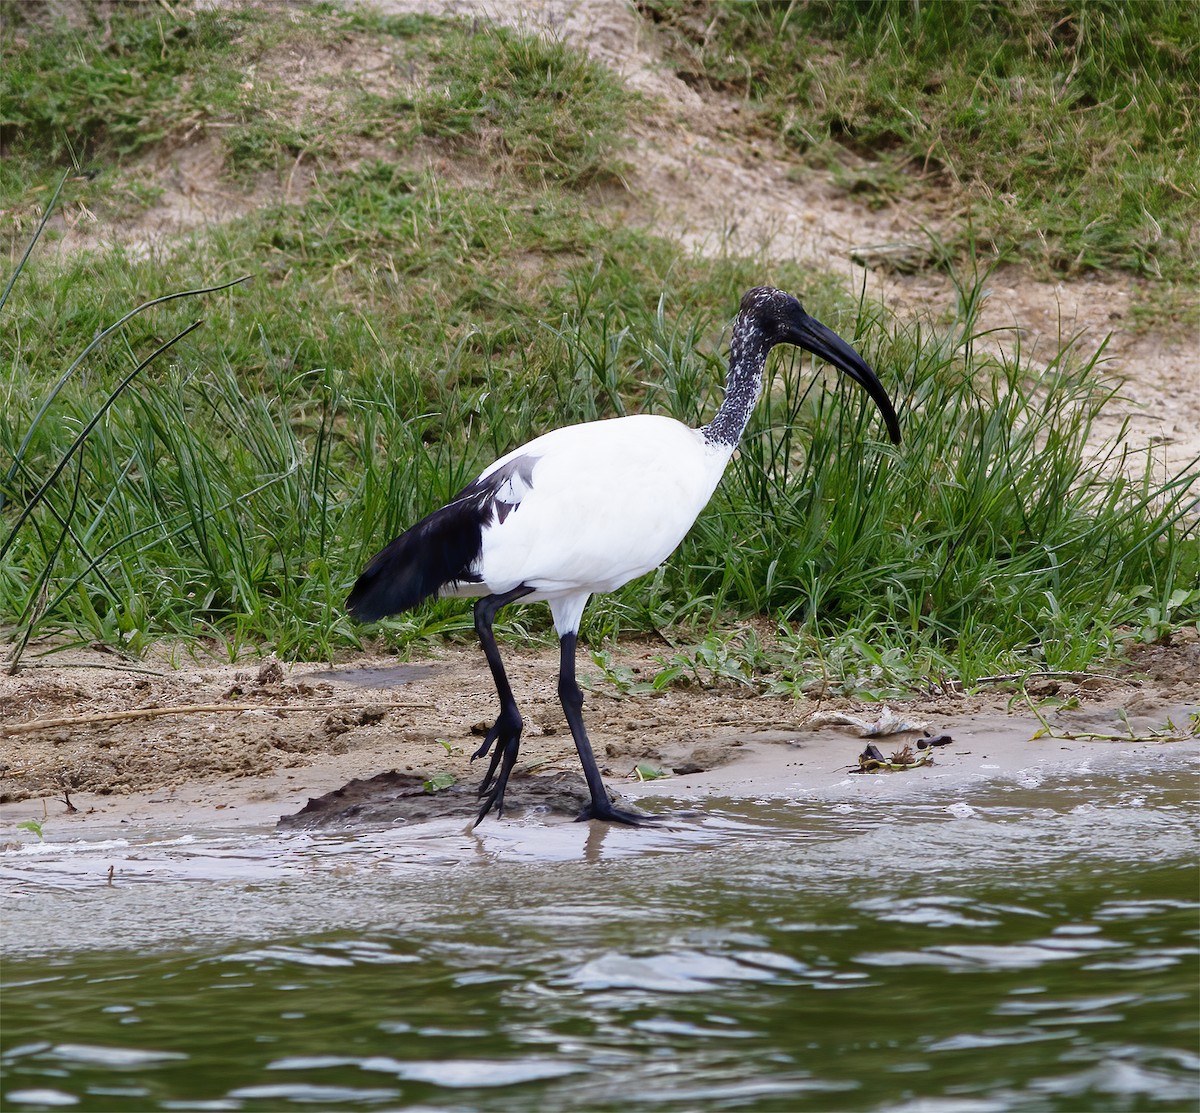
(495, 781)
(607, 812)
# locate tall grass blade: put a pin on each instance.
(37, 235)
(96, 342)
(79, 440)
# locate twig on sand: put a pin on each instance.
(1040, 674)
(139, 713)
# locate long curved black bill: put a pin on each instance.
(824, 342)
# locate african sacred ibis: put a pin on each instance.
(584, 509)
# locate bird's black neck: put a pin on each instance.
(748, 348)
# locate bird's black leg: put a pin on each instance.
(505, 733)
(601, 806)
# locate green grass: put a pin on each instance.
(538, 106)
(991, 534)
(139, 79)
(1071, 128)
(133, 80)
(399, 332)
(234, 491)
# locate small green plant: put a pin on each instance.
(1158, 620)
(733, 658)
(439, 782)
(624, 678)
(1170, 731)
(34, 825)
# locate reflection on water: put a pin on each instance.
(1023, 951)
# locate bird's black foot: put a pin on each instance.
(607, 812)
(495, 780)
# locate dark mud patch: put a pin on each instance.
(380, 676)
(393, 797)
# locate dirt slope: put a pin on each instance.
(698, 176)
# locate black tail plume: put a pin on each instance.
(442, 548)
(437, 551)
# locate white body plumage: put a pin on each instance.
(592, 507)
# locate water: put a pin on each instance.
(1006, 950)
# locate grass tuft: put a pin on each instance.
(547, 111)
(1070, 127)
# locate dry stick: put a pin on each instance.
(94, 665)
(1038, 674)
(35, 725)
(140, 713)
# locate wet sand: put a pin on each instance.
(769, 764)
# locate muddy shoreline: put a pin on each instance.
(270, 738)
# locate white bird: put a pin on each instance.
(585, 509)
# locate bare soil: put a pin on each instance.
(287, 731)
(270, 736)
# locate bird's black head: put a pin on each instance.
(775, 313)
(780, 319)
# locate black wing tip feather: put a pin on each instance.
(437, 551)
(440, 549)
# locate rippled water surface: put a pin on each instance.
(1010, 950)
